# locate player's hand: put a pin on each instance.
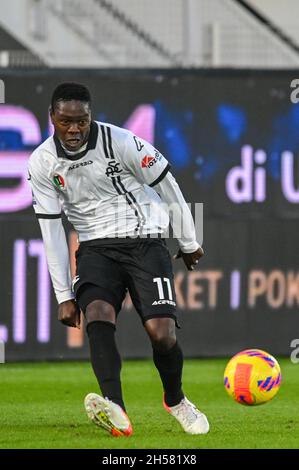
(69, 313)
(190, 259)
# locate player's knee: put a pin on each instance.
(99, 310)
(162, 333)
(163, 344)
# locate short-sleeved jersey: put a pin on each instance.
(105, 191)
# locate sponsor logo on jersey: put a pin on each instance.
(149, 161)
(163, 302)
(78, 165)
(59, 181)
(113, 168)
(138, 144)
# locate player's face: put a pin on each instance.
(71, 120)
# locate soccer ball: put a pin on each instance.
(252, 377)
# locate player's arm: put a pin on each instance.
(48, 211)
(181, 221)
(151, 167)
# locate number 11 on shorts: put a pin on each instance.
(159, 282)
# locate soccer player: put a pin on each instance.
(111, 185)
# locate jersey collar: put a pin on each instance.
(92, 141)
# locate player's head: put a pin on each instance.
(70, 114)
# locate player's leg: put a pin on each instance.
(167, 356)
(107, 412)
(99, 292)
(168, 359)
(105, 358)
(151, 285)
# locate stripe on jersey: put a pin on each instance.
(110, 142)
(134, 202)
(48, 216)
(118, 189)
(164, 172)
(116, 181)
(104, 141)
(131, 200)
(108, 149)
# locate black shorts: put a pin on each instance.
(108, 268)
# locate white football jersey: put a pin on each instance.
(105, 191)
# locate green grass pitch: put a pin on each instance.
(41, 406)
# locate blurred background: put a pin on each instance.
(213, 85)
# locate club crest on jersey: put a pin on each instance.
(112, 168)
(59, 181)
(149, 161)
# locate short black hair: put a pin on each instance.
(70, 91)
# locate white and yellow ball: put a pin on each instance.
(252, 377)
